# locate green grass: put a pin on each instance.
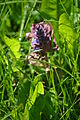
(28, 92)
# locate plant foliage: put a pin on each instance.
(30, 92)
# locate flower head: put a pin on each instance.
(40, 37)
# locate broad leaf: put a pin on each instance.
(49, 8)
(54, 8)
(66, 32)
(14, 46)
(23, 92)
(38, 90)
(31, 100)
(51, 108)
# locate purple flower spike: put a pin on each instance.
(40, 37)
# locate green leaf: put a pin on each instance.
(54, 8)
(49, 8)
(51, 108)
(23, 92)
(65, 27)
(37, 109)
(66, 31)
(39, 90)
(14, 46)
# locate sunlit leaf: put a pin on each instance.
(31, 100)
(65, 27)
(40, 88)
(14, 46)
(66, 32)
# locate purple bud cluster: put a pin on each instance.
(40, 37)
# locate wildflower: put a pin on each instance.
(40, 37)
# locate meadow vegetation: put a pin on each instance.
(29, 92)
